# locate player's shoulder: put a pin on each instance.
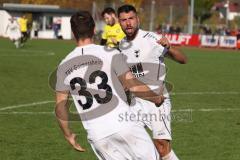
(106, 27)
(117, 25)
(99, 50)
(93, 50)
(68, 57)
(148, 35)
(103, 50)
(150, 38)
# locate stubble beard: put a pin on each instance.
(130, 37)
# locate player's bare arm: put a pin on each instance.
(140, 89)
(114, 40)
(172, 52)
(62, 111)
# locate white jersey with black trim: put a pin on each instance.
(145, 57)
(91, 73)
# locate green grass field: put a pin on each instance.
(206, 101)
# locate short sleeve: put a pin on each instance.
(60, 85)
(159, 50)
(119, 64)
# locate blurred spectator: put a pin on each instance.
(178, 29)
(56, 26)
(168, 28)
(159, 29)
(238, 34)
(35, 29)
(205, 30)
(227, 32)
(162, 28)
(171, 29)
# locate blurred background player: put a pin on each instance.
(146, 60)
(23, 28)
(13, 31)
(112, 32)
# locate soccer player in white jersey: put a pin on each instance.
(13, 32)
(146, 54)
(95, 80)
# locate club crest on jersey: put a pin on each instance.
(137, 70)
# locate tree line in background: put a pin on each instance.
(202, 10)
(75, 4)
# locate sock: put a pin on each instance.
(16, 44)
(170, 156)
(19, 43)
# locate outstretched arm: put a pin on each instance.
(62, 111)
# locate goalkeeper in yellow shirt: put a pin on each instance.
(112, 33)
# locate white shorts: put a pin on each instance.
(157, 119)
(131, 144)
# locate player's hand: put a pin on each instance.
(114, 40)
(164, 42)
(72, 140)
(161, 100)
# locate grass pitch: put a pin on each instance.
(206, 104)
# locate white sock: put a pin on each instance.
(17, 43)
(170, 156)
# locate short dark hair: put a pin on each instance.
(126, 8)
(82, 25)
(108, 10)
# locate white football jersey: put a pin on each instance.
(13, 30)
(145, 58)
(91, 73)
(13, 27)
